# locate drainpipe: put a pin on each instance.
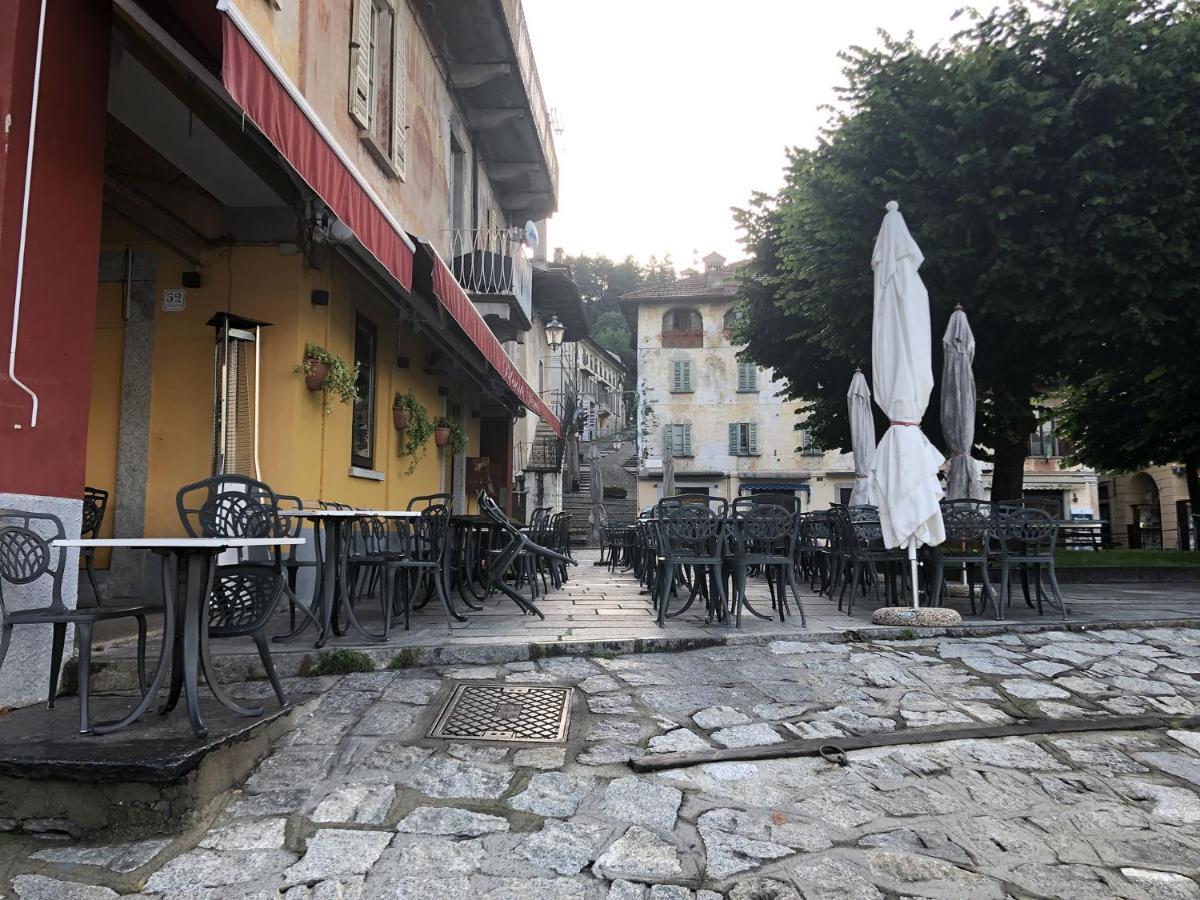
(16, 317)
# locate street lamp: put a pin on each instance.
(554, 333)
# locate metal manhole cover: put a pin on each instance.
(505, 712)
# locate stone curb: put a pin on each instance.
(112, 673)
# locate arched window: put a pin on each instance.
(682, 328)
(731, 319)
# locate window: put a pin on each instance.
(747, 378)
(378, 81)
(743, 439)
(682, 328)
(808, 447)
(679, 440)
(1045, 443)
(362, 431)
(844, 495)
(681, 377)
(730, 322)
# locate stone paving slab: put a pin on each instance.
(342, 810)
(598, 610)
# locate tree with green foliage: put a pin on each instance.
(601, 282)
(1047, 162)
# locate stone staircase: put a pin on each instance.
(615, 462)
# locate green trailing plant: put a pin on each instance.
(336, 662)
(458, 434)
(417, 432)
(342, 380)
(407, 658)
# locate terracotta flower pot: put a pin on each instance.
(441, 435)
(401, 417)
(315, 373)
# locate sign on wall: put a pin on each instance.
(174, 300)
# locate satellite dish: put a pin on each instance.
(531, 235)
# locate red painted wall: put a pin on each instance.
(54, 352)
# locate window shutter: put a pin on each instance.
(687, 376)
(360, 62)
(752, 438)
(399, 96)
(733, 439)
(751, 377)
(741, 377)
(687, 440)
(677, 377)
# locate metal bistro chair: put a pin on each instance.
(1024, 539)
(862, 544)
(244, 594)
(95, 504)
(293, 526)
(764, 535)
(504, 559)
(691, 536)
(968, 531)
(27, 557)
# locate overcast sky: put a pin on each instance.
(675, 110)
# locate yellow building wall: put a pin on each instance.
(105, 412)
(302, 450)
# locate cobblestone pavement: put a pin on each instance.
(357, 803)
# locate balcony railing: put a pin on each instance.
(492, 261)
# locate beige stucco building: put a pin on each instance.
(1148, 509)
(725, 422)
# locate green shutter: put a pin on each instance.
(747, 377)
(733, 439)
(687, 376)
(752, 439)
(681, 377)
(687, 440)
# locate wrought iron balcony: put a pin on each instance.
(491, 266)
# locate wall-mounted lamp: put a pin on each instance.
(555, 330)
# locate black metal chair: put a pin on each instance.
(293, 526)
(502, 561)
(95, 504)
(968, 531)
(26, 557)
(865, 556)
(1024, 539)
(691, 536)
(427, 500)
(244, 594)
(763, 535)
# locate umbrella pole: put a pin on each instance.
(912, 562)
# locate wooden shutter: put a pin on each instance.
(362, 18)
(681, 377)
(399, 96)
(733, 439)
(687, 440)
(752, 438)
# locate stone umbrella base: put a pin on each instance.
(924, 617)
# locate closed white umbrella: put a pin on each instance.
(963, 481)
(904, 477)
(668, 482)
(598, 517)
(862, 439)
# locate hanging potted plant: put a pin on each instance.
(326, 371)
(415, 431)
(450, 432)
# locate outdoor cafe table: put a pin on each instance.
(185, 618)
(333, 577)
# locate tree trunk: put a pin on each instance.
(1009, 472)
(1192, 468)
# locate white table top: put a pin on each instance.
(179, 543)
(350, 513)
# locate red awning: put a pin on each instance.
(281, 114)
(451, 295)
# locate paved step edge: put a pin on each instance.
(112, 673)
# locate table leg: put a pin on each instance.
(195, 618)
(206, 664)
(332, 535)
(164, 656)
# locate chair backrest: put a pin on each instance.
(95, 503)
(26, 554)
(488, 507)
(228, 506)
(863, 513)
(430, 533)
(1025, 532)
(767, 498)
(719, 505)
(765, 530)
(427, 500)
(691, 531)
(967, 530)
